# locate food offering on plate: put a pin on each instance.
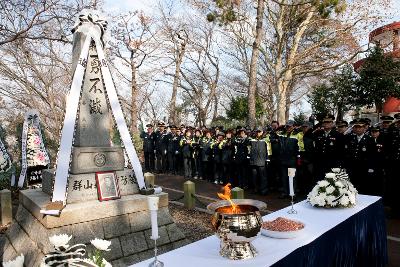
(282, 228)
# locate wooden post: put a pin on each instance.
(189, 191)
(237, 193)
(149, 179)
(5, 207)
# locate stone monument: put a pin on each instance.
(124, 221)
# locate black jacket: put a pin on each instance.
(275, 145)
(289, 150)
(392, 144)
(241, 149)
(206, 151)
(227, 150)
(148, 142)
(258, 152)
(186, 145)
(359, 154)
(161, 141)
(329, 149)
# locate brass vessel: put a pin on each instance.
(237, 230)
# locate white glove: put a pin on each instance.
(370, 170)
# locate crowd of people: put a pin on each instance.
(259, 159)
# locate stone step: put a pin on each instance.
(35, 199)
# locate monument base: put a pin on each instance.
(125, 222)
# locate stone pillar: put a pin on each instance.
(5, 207)
(149, 179)
(189, 191)
(237, 193)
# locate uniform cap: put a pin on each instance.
(375, 128)
(360, 122)
(290, 123)
(149, 125)
(342, 123)
(328, 118)
(387, 118)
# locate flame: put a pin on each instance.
(227, 196)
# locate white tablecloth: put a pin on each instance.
(205, 252)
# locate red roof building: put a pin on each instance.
(388, 37)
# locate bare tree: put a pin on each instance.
(201, 73)
(134, 45)
(35, 69)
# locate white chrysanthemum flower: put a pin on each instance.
(339, 184)
(330, 189)
(320, 200)
(330, 199)
(336, 170)
(106, 263)
(312, 199)
(323, 183)
(101, 244)
(60, 240)
(352, 198)
(330, 175)
(344, 201)
(17, 262)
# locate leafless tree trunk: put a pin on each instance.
(251, 96)
(178, 61)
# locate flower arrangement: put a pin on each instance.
(97, 257)
(35, 150)
(64, 254)
(335, 191)
(5, 162)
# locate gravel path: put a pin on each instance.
(194, 224)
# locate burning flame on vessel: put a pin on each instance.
(233, 209)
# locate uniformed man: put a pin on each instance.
(392, 145)
(258, 158)
(288, 155)
(274, 168)
(227, 151)
(385, 124)
(341, 126)
(378, 162)
(171, 150)
(178, 152)
(329, 145)
(161, 140)
(306, 164)
(217, 158)
(187, 154)
(359, 150)
(197, 166)
(206, 156)
(241, 155)
(148, 148)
